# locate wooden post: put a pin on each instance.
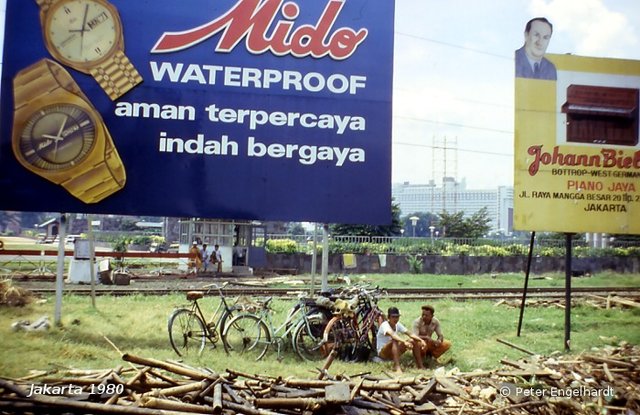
(62, 230)
(217, 398)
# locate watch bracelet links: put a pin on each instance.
(109, 176)
(41, 78)
(116, 75)
(44, 77)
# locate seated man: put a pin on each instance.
(424, 327)
(391, 346)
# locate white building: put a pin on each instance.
(453, 197)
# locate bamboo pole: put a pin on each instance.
(312, 404)
(178, 390)
(180, 370)
(178, 407)
(515, 347)
(91, 407)
(217, 398)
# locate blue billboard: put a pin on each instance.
(231, 109)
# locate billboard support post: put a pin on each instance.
(314, 259)
(60, 269)
(325, 257)
(526, 281)
(92, 259)
(567, 293)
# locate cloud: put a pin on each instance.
(593, 29)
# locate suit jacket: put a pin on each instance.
(523, 67)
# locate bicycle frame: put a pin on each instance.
(296, 316)
(212, 327)
(353, 331)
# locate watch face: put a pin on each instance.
(57, 137)
(82, 30)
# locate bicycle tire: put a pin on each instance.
(307, 338)
(225, 318)
(247, 335)
(341, 335)
(186, 332)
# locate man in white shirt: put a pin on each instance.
(391, 346)
(205, 257)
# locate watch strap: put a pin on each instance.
(98, 181)
(92, 182)
(42, 78)
(116, 75)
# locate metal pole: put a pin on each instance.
(314, 259)
(62, 234)
(567, 294)
(325, 257)
(92, 258)
(526, 281)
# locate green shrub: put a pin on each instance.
(281, 246)
(141, 240)
(415, 264)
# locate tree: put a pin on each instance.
(372, 230)
(455, 225)
(296, 228)
(452, 224)
(425, 219)
(31, 219)
(478, 225)
(9, 221)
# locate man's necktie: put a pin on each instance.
(536, 69)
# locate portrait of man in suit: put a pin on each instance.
(530, 60)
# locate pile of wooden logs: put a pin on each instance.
(603, 381)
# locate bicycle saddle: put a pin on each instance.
(194, 295)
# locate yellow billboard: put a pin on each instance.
(577, 147)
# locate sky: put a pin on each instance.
(454, 79)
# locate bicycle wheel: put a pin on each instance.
(225, 318)
(307, 338)
(342, 336)
(247, 335)
(186, 332)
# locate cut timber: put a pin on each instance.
(515, 347)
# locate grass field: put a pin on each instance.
(138, 325)
(506, 280)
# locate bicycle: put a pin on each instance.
(251, 335)
(188, 331)
(351, 333)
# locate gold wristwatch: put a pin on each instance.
(59, 135)
(86, 35)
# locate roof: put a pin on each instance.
(49, 222)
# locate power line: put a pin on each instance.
(495, 130)
(451, 45)
(457, 149)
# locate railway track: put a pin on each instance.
(392, 293)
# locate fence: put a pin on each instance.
(36, 263)
(433, 245)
